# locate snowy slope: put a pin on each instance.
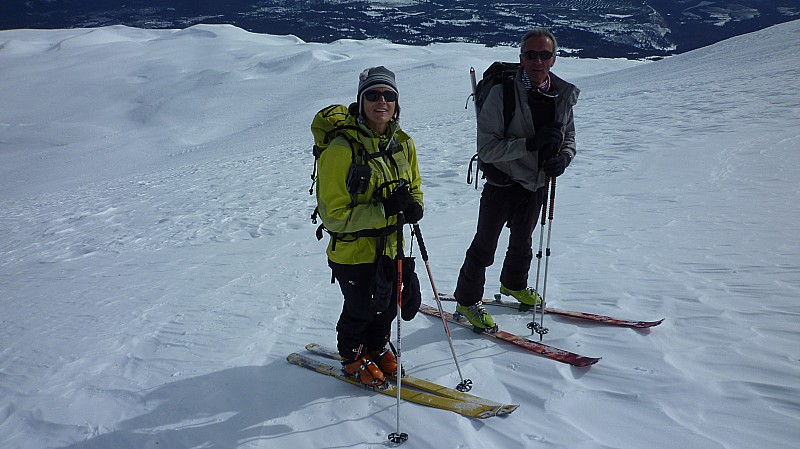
(157, 263)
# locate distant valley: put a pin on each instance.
(586, 28)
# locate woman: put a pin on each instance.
(368, 184)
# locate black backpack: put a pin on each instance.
(497, 73)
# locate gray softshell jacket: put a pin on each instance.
(506, 151)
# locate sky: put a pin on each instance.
(158, 263)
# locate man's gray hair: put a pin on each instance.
(539, 32)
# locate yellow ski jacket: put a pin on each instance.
(391, 158)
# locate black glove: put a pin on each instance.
(413, 213)
(412, 297)
(556, 165)
(397, 202)
(546, 152)
(548, 136)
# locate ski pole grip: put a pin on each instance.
(421, 242)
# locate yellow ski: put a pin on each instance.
(425, 385)
(466, 408)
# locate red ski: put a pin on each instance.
(603, 319)
(541, 349)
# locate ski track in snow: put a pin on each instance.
(157, 263)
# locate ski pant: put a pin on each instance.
(512, 206)
(359, 330)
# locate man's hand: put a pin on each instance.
(547, 137)
(556, 165)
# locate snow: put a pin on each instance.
(157, 261)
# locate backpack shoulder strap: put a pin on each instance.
(509, 101)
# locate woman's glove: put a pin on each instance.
(413, 213)
(397, 202)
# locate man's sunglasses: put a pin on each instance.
(374, 95)
(543, 55)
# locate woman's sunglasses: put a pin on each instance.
(374, 95)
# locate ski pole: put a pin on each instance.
(547, 254)
(543, 214)
(399, 437)
(465, 384)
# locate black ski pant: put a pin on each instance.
(359, 330)
(512, 206)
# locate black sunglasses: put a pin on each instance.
(374, 95)
(543, 55)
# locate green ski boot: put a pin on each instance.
(478, 316)
(527, 297)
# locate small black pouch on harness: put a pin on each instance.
(358, 179)
(412, 297)
(386, 287)
(385, 281)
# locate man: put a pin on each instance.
(538, 143)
